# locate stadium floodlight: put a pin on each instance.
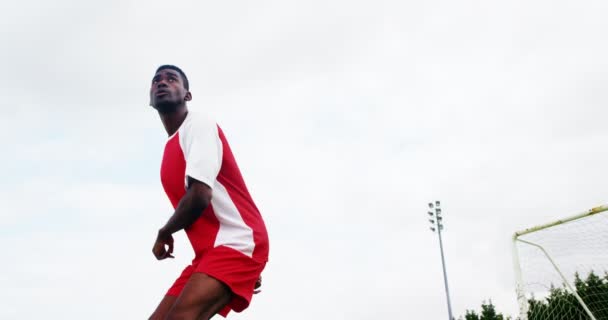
(438, 219)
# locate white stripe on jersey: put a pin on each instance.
(233, 231)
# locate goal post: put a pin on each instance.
(561, 268)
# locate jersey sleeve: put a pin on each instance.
(202, 150)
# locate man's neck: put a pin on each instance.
(173, 120)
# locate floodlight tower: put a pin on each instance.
(437, 226)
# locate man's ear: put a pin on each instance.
(188, 96)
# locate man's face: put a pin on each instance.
(167, 91)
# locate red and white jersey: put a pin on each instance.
(200, 150)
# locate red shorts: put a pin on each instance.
(236, 270)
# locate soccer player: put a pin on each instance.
(212, 204)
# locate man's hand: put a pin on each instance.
(258, 284)
(162, 240)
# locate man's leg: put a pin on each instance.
(163, 308)
(202, 297)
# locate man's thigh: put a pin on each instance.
(163, 308)
(202, 297)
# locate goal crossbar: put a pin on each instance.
(521, 297)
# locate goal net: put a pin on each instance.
(561, 268)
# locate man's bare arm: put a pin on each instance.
(190, 208)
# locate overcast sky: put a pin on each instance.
(346, 118)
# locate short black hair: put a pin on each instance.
(181, 73)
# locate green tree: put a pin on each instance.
(560, 304)
(488, 312)
(563, 304)
(471, 315)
